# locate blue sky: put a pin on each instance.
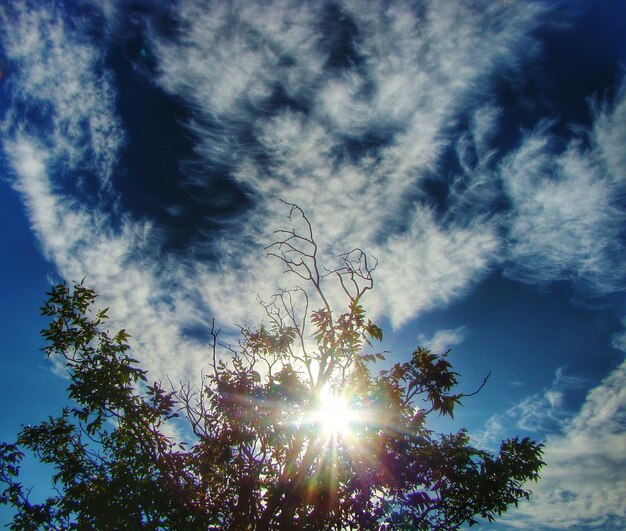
(476, 149)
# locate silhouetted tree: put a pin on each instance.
(289, 430)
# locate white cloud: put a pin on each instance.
(226, 64)
(60, 78)
(148, 300)
(540, 413)
(567, 219)
(413, 74)
(418, 68)
(443, 339)
(429, 265)
(583, 483)
(609, 135)
(59, 74)
(619, 340)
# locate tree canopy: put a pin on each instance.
(291, 429)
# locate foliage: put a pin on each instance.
(262, 454)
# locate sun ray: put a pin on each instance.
(335, 416)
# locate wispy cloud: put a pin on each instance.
(409, 75)
(59, 75)
(352, 142)
(583, 483)
(61, 91)
(353, 135)
(120, 263)
(541, 413)
(428, 265)
(443, 339)
(567, 219)
(349, 143)
(609, 134)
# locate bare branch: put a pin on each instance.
(464, 395)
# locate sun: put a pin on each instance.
(335, 416)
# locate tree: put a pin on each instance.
(289, 430)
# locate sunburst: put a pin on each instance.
(334, 415)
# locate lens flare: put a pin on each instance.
(335, 416)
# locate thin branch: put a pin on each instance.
(463, 395)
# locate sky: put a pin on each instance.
(476, 149)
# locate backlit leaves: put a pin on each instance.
(255, 455)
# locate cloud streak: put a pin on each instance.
(361, 113)
(118, 256)
(348, 135)
(583, 483)
(567, 220)
(443, 340)
(61, 92)
(120, 264)
(354, 143)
